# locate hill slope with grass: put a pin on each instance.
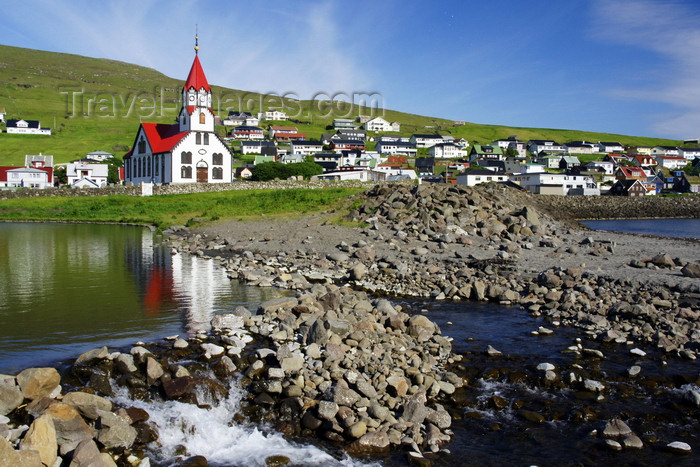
(97, 104)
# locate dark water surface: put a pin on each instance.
(679, 228)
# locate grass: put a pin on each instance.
(86, 102)
(167, 210)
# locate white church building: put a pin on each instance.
(188, 151)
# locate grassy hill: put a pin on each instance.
(97, 104)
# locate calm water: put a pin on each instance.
(68, 288)
(680, 228)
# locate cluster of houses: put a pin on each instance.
(191, 151)
(39, 172)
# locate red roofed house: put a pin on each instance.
(285, 133)
(185, 152)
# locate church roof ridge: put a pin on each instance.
(196, 79)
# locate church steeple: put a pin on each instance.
(196, 110)
(196, 91)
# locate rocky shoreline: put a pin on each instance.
(334, 362)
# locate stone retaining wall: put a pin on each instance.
(618, 207)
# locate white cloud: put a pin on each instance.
(671, 30)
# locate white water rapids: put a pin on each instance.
(211, 432)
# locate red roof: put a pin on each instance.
(196, 78)
(162, 136)
(4, 169)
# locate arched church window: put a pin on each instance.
(198, 138)
(217, 173)
(186, 172)
(206, 138)
(142, 146)
(217, 158)
(202, 118)
(186, 157)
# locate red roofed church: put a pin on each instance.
(188, 151)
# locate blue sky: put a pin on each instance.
(620, 66)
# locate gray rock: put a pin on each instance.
(70, 427)
(91, 356)
(125, 364)
(414, 409)
(679, 447)
(616, 428)
(285, 303)
(10, 395)
(115, 432)
(343, 395)
(663, 261)
(89, 405)
(327, 410)
(36, 383)
(691, 270)
(420, 327)
(154, 370)
(87, 454)
(228, 321)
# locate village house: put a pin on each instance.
(537, 146)
(664, 151)
(304, 147)
(446, 151)
(641, 160)
(99, 156)
(378, 124)
(632, 173)
(346, 144)
(634, 188)
(479, 176)
(425, 165)
(616, 159)
(426, 141)
(646, 150)
(261, 159)
(26, 127)
(550, 161)
(607, 146)
(84, 175)
(393, 139)
(2, 115)
(606, 167)
(689, 153)
(285, 133)
(236, 118)
(531, 167)
(273, 114)
(38, 161)
(581, 147)
(256, 147)
(185, 152)
(26, 177)
(557, 184)
(341, 123)
(397, 148)
(247, 132)
(485, 151)
(243, 172)
(671, 162)
(350, 134)
(569, 162)
(512, 143)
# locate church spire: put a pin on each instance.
(196, 39)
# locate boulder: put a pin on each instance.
(691, 270)
(41, 437)
(229, 321)
(115, 432)
(88, 405)
(11, 395)
(8, 456)
(88, 455)
(38, 382)
(372, 442)
(663, 261)
(616, 428)
(92, 355)
(70, 427)
(421, 328)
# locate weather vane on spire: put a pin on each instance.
(196, 39)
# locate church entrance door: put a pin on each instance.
(202, 176)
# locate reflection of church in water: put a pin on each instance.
(169, 283)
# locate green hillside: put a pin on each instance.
(97, 104)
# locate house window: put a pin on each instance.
(198, 138)
(217, 159)
(186, 172)
(217, 173)
(206, 138)
(202, 118)
(186, 157)
(155, 166)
